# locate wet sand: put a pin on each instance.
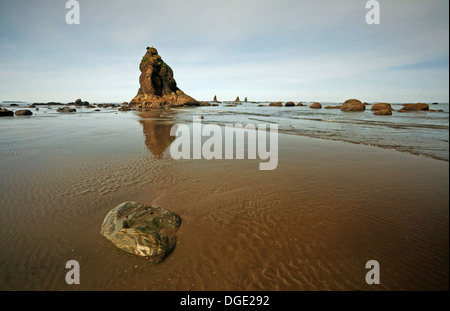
(311, 224)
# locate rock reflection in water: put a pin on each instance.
(157, 125)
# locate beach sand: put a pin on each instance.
(310, 224)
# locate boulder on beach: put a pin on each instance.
(414, 107)
(382, 112)
(300, 104)
(333, 107)
(276, 104)
(289, 104)
(381, 106)
(353, 105)
(23, 112)
(315, 105)
(6, 113)
(66, 109)
(142, 230)
(158, 87)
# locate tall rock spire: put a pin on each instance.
(157, 86)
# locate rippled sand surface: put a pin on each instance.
(311, 224)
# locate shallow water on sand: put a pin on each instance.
(311, 224)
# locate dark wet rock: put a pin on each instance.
(79, 102)
(435, 103)
(24, 112)
(6, 113)
(353, 105)
(230, 105)
(414, 107)
(13, 105)
(202, 103)
(97, 110)
(214, 104)
(300, 104)
(142, 230)
(124, 109)
(66, 109)
(158, 87)
(289, 104)
(54, 104)
(261, 105)
(276, 104)
(315, 105)
(333, 107)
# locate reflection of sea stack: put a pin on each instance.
(157, 133)
(158, 87)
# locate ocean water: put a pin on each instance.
(419, 133)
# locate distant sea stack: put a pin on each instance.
(158, 88)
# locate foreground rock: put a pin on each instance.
(6, 113)
(24, 112)
(142, 230)
(315, 105)
(414, 107)
(353, 105)
(157, 85)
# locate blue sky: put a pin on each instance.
(261, 49)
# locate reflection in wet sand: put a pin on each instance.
(157, 125)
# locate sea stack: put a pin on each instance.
(158, 88)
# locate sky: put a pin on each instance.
(299, 50)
